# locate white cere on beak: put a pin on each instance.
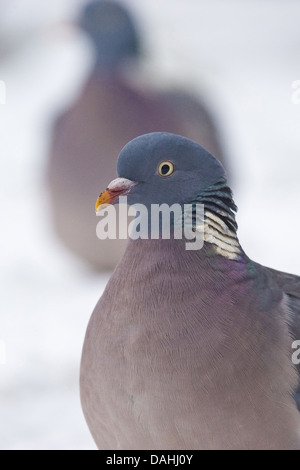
(120, 183)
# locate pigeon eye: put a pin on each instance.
(165, 169)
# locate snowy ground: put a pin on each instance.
(243, 57)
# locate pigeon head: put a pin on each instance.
(111, 30)
(162, 168)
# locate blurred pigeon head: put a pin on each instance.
(111, 30)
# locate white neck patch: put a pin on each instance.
(223, 239)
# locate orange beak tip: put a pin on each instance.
(118, 187)
(105, 199)
(100, 208)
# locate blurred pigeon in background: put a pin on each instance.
(111, 110)
(190, 349)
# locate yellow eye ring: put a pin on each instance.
(165, 168)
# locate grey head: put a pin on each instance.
(111, 30)
(172, 169)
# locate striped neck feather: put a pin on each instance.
(220, 226)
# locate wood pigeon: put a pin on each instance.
(190, 349)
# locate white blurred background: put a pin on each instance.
(243, 57)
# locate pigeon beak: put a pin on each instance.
(118, 187)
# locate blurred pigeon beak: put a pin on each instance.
(118, 187)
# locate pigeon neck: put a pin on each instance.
(172, 256)
(122, 70)
(220, 226)
(108, 71)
